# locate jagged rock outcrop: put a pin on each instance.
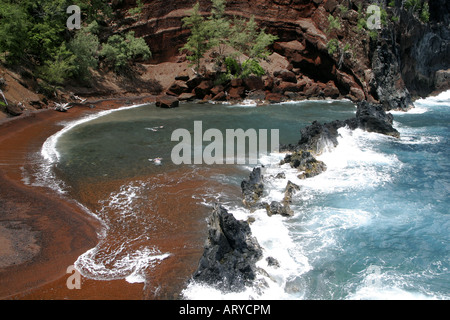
(284, 207)
(306, 163)
(424, 49)
(387, 81)
(252, 188)
(372, 118)
(316, 137)
(230, 254)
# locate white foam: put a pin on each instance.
(49, 151)
(50, 155)
(418, 109)
(389, 285)
(442, 98)
(98, 265)
(354, 163)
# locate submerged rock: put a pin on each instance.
(230, 254)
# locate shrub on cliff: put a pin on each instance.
(218, 32)
(85, 48)
(57, 69)
(119, 50)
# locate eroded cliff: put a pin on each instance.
(405, 55)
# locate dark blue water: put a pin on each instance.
(375, 225)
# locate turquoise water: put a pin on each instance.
(375, 225)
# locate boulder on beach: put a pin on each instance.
(167, 102)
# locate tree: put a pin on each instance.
(14, 23)
(218, 32)
(197, 43)
(60, 67)
(85, 48)
(219, 27)
(118, 51)
(137, 48)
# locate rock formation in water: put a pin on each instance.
(252, 188)
(230, 254)
(317, 137)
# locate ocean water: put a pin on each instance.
(375, 225)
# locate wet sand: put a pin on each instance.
(42, 233)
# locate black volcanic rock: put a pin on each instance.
(372, 118)
(305, 162)
(387, 82)
(252, 189)
(230, 254)
(317, 137)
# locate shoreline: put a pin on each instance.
(54, 229)
(42, 232)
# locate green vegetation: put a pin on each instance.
(33, 33)
(138, 9)
(422, 10)
(218, 32)
(333, 46)
(60, 66)
(197, 43)
(413, 4)
(85, 46)
(425, 13)
(334, 23)
(119, 50)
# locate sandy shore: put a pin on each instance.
(41, 233)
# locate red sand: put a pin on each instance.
(41, 233)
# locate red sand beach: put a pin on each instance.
(42, 233)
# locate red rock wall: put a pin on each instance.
(302, 21)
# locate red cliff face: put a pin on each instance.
(302, 27)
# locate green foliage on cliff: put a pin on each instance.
(85, 49)
(333, 46)
(198, 42)
(219, 32)
(419, 8)
(334, 23)
(34, 33)
(119, 50)
(59, 67)
(425, 13)
(13, 31)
